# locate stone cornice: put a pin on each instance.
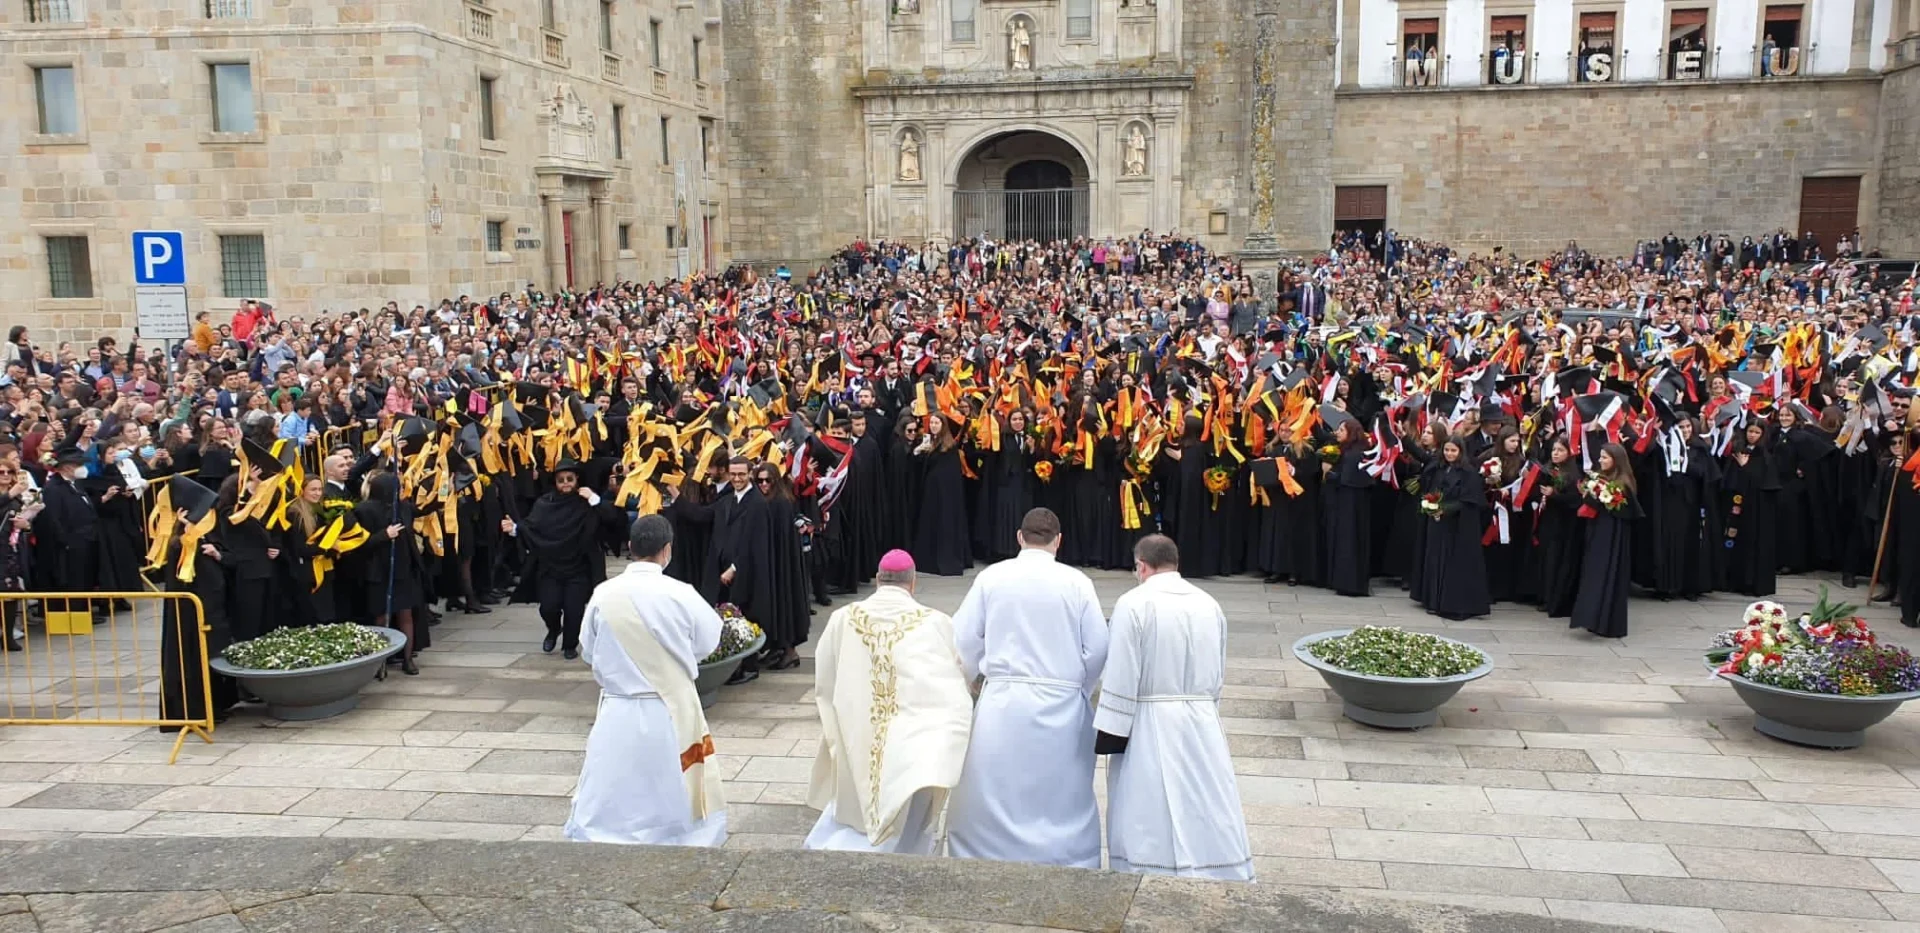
(1004, 84)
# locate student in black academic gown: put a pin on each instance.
(1191, 511)
(562, 534)
(1289, 526)
(1348, 518)
(119, 520)
(740, 563)
(1682, 564)
(690, 509)
(1748, 488)
(16, 551)
(1506, 562)
(1418, 466)
(1606, 568)
(860, 511)
(1559, 532)
(217, 457)
(251, 555)
(941, 543)
(390, 560)
(788, 625)
(1805, 498)
(1903, 541)
(905, 477)
(1452, 560)
(182, 693)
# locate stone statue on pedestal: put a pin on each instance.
(1020, 46)
(1136, 153)
(909, 156)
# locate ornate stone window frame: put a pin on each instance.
(1408, 11)
(1710, 60)
(43, 300)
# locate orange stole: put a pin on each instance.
(697, 752)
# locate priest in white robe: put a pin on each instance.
(1173, 807)
(649, 775)
(894, 716)
(1032, 626)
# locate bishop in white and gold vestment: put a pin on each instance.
(895, 714)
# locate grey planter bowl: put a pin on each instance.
(314, 692)
(1388, 702)
(714, 676)
(1818, 720)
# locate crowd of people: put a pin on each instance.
(1555, 431)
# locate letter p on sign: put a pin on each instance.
(159, 258)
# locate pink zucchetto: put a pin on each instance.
(896, 561)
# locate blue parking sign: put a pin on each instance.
(159, 258)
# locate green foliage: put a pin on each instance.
(1390, 652)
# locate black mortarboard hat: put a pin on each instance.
(534, 417)
(414, 432)
(67, 456)
(1750, 378)
(1333, 416)
(1872, 337)
(530, 393)
(1266, 473)
(1591, 406)
(1665, 411)
(190, 496)
(759, 396)
(468, 442)
(462, 470)
(260, 458)
(1443, 404)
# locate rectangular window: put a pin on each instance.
(1420, 57)
(1595, 47)
(1507, 50)
(59, 105)
(53, 11)
(496, 236)
(673, 236)
(698, 70)
(229, 9)
(653, 44)
(232, 97)
(1687, 50)
(666, 141)
(69, 270)
(243, 265)
(963, 15)
(486, 110)
(1079, 19)
(626, 237)
(548, 20)
(606, 25)
(1781, 43)
(706, 146)
(619, 132)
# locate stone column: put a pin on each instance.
(1166, 182)
(1103, 176)
(556, 243)
(609, 241)
(1261, 252)
(933, 168)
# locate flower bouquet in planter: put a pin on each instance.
(312, 672)
(1819, 678)
(1389, 677)
(739, 638)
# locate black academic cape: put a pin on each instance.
(691, 515)
(860, 512)
(1903, 546)
(1193, 513)
(1600, 606)
(743, 535)
(66, 536)
(1289, 531)
(1559, 540)
(183, 695)
(383, 559)
(1796, 462)
(904, 479)
(562, 535)
(788, 624)
(121, 542)
(1747, 542)
(941, 544)
(1349, 523)
(1682, 564)
(1453, 562)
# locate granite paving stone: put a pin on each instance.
(536, 915)
(1549, 788)
(124, 911)
(362, 913)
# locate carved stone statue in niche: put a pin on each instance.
(909, 156)
(1136, 153)
(1020, 45)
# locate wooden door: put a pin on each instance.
(1830, 207)
(1360, 202)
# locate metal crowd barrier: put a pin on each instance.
(108, 659)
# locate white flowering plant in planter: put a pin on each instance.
(736, 634)
(294, 649)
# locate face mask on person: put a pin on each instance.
(122, 456)
(79, 473)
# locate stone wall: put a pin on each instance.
(1899, 140)
(796, 156)
(1218, 50)
(1533, 168)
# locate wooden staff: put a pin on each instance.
(1886, 522)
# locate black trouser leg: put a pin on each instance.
(575, 612)
(552, 593)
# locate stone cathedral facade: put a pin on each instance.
(342, 154)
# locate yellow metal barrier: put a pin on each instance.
(108, 659)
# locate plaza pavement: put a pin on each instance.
(1583, 780)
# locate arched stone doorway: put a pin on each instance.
(1022, 185)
